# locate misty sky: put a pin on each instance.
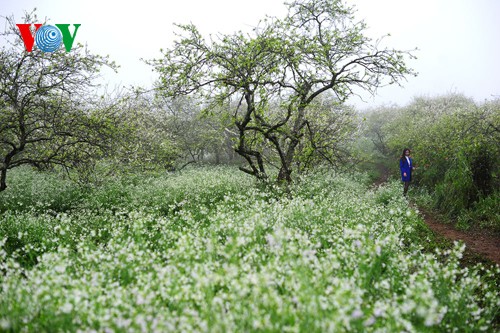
(458, 40)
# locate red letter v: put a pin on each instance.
(26, 35)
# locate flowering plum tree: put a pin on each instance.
(316, 49)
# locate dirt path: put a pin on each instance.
(479, 242)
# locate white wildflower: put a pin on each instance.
(370, 321)
(66, 308)
(357, 314)
(60, 269)
(4, 324)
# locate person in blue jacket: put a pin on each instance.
(406, 166)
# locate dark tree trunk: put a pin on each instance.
(285, 173)
(250, 155)
(3, 179)
(8, 160)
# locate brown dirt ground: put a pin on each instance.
(479, 242)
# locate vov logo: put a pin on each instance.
(47, 37)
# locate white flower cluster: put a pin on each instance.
(205, 251)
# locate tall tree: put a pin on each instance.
(45, 117)
(317, 48)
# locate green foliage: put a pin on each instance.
(486, 212)
(454, 192)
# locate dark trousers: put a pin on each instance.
(407, 184)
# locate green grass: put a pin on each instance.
(209, 250)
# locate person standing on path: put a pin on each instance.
(406, 166)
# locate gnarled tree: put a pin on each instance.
(44, 116)
(317, 48)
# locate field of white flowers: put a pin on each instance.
(207, 250)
